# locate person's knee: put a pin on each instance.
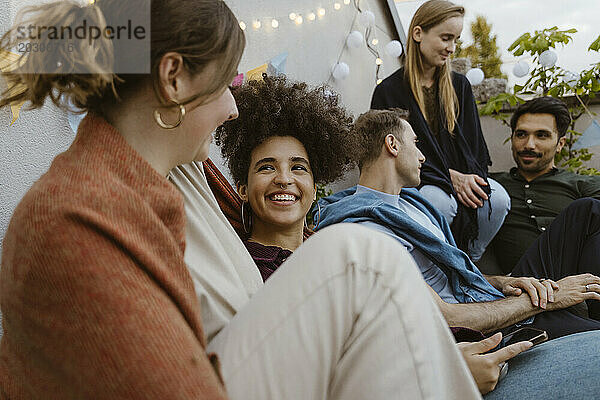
(359, 245)
(585, 203)
(499, 198)
(442, 201)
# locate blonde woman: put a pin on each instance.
(443, 114)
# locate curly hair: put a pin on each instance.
(276, 106)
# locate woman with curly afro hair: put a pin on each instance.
(289, 138)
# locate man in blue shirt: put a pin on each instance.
(389, 164)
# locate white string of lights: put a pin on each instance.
(354, 39)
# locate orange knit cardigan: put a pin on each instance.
(96, 299)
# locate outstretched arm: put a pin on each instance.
(494, 315)
(489, 316)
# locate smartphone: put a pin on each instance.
(533, 335)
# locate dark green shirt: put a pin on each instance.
(534, 205)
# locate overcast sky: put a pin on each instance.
(511, 18)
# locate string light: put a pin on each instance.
(366, 19)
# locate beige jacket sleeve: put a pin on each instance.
(224, 274)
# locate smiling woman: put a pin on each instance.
(444, 116)
(289, 137)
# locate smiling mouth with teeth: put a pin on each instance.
(283, 197)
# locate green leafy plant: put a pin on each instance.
(552, 81)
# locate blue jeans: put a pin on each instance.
(488, 227)
(564, 368)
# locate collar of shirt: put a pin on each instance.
(391, 199)
(516, 174)
(264, 253)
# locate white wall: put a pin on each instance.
(28, 147)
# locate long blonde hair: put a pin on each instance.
(202, 31)
(430, 14)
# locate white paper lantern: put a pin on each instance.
(475, 76)
(393, 48)
(366, 18)
(355, 40)
(570, 78)
(341, 71)
(521, 69)
(548, 58)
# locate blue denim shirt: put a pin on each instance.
(467, 282)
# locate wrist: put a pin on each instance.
(496, 281)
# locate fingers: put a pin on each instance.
(508, 352)
(553, 284)
(542, 293)
(591, 296)
(550, 289)
(593, 287)
(478, 190)
(531, 290)
(592, 279)
(512, 291)
(469, 192)
(465, 200)
(484, 345)
(480, 180)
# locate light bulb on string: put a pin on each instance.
(274, 23)
(375, 41)
(256, 24)
(243, 25)
(355, 39)
(366, 18)
(299, 20)
(520, 69)
(475, 76)
(340, 71)
(292, 16)
(337, 6)
(321, 12)
(393, 48)
(378, 61)
(346, 2)
(312, 16)
(379, 81)
(548, 58)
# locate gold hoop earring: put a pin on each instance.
(163, 124)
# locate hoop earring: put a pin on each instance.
(246, 230)
(163, 124)
(318, 216)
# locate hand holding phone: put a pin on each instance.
(488, 368)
